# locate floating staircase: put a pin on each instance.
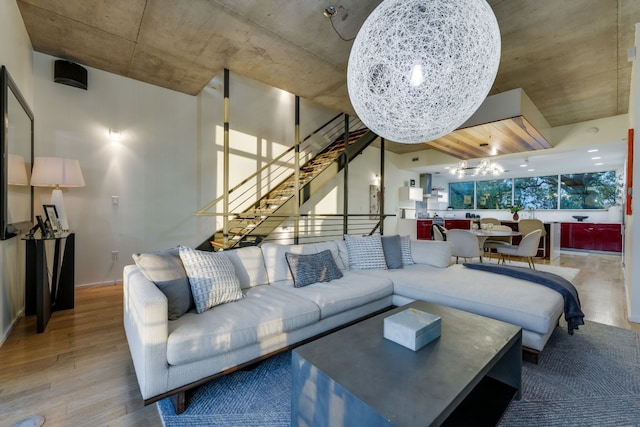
(265, 215)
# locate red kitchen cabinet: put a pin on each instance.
(424, 229)
(462, 224)
(591, 236)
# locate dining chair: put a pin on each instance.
(528, 248)
(494, 242)
(526, 226)
(438, 232)
(493, 221)
(465, 244)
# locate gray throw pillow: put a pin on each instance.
(312, 268)
(392, 251)
(165, 269)
(212, 277)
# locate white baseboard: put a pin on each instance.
(91, 285)
(10, 328)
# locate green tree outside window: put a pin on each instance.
(493, 194)
(597, 190)
(536, 192)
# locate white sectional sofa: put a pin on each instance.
(172, 356)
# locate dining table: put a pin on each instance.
(484, 234)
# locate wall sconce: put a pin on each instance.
(58, 173)
(114, 135)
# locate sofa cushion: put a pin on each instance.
(212, 278)
(343, 252)
(392, 251)
(312, 268)
(249, 265)
(265, 311)
(351, 291)
(276, 263)
(365, 252)
(165, 269)
(436, 253)
(511, 300)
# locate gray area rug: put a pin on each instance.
(589, 379)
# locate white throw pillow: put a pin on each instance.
(365, 253)
(212, 278)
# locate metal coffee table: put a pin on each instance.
(355, 377)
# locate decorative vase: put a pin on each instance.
(515, 216)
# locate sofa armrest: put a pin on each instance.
(436, 253)
(146, 326)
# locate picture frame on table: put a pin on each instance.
(52, 217)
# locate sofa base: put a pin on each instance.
(530, 355)
(180, 396)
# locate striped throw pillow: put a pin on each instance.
(365, 253)
(405, 249)
(212, 278)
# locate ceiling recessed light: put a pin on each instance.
(593, 130)
(530, 170)
(447, 167)
(524, 165)
(593, 150)
(599, 164)
(596, 158)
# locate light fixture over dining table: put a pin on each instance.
(484, 168)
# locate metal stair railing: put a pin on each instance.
(314, 228)
(254, 199)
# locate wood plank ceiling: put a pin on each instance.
(508, 136)
(569, 56)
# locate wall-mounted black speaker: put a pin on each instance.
(69, 73)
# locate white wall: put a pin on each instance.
(167, 164)
(362, 173)
(152, 169)
(15, 54)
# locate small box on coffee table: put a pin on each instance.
(412, 328)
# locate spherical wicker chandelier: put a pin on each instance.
(418, 69)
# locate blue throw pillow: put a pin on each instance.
(392, 251)
(312, 268)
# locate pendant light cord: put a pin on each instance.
(339, 35)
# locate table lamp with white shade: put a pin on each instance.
(57, 172)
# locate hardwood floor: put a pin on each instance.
(79, 372)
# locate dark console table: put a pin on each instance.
(48, 290)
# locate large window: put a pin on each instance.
(597, 190)
(493, 194)
(536, 192)
(461, 195)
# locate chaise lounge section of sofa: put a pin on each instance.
(173, 356)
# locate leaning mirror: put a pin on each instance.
(16, 148)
